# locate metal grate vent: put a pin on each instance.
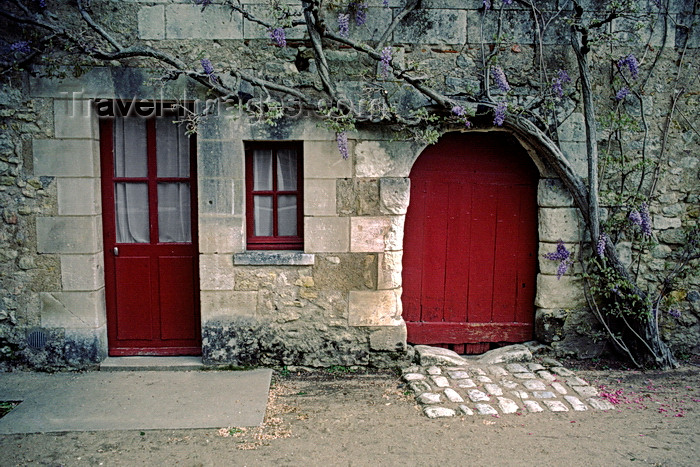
(37, 338)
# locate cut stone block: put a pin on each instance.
(439, 412)
(408, 377)
(466, 383)
(576, 381)
(507, 354)
(428, 355)
(419, 387)
(525, 375)
(374, 308)
(485, 409)
(452, 395)
(556, 406)
(509, 384)
(516, 368)
(477, 371)
(483, 379)
(535, 367)
(493, 389)
(458, 374)
(543, 394)
(561, 371)
(326, 234)
(533, 406)
(507, 405)
(429, 398)
(521, 394)
(440, 381)
(477, 396)
(586, 391)
(434, 370)
(497, 371)
(559, 387)
(466, 410)
(534, 385)
(546, 375)
(576, 403)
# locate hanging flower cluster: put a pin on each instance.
(23, 47)
(558, 83)
(208, 69)
(500, 114)
(460, 112)
(343, 24)
(622, 93)
(563, 256)
(342, 141)
(500, 77)
(631, 63)
(600, 246)
(641, 218)
(279, 36)
(385, 61)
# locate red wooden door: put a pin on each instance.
(470, 243)
(151, 270)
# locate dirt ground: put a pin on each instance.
(334, 418)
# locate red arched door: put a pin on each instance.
(470, 243)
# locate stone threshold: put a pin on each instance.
(151, 364)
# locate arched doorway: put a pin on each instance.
(470, 243)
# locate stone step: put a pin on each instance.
(151, 364)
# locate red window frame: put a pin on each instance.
(275, 241)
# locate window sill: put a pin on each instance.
(273, 258)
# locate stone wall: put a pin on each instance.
(339, 301)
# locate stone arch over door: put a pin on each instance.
(471, 244)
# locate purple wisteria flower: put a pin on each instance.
(21, 47)
(343, 24)
(207, 66)
(385, 59)
(360, 13)
(635, 217)
(600, 246)
(500, 77)
(507, 2)
(42, 4)
(630, 61)
(558, 82)
(646, 219)
(459, 111)
(622, 93)
(674, 313)
(487, 4)
(641, 218)
(342, 139)
(500, 114)
(279, 36)
(563, 256)
(203, 2)
(386, 3)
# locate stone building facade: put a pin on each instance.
(338, 299)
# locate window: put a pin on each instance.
(274, 197)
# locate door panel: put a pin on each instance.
(470, 245)
(151, 270)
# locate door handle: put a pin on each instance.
(115, 250)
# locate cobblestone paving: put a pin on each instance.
(509, 388)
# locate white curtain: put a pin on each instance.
(172, 149)
(286, 181)
(174, 213)
(131, 199)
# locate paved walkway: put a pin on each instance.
(133, 400)
(448, 390)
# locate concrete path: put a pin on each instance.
(133, 400)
